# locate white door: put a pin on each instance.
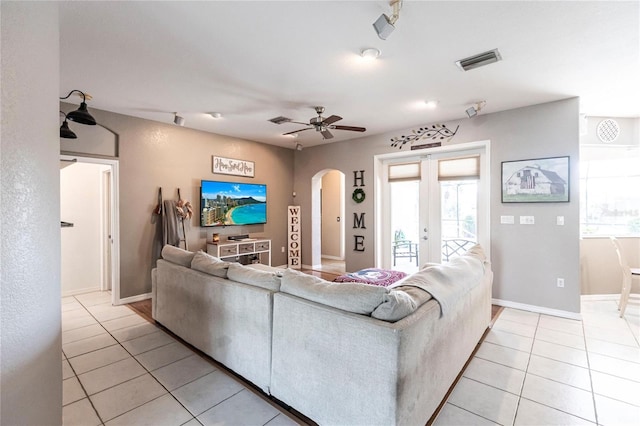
(437, 207)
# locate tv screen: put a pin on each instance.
(231, 203)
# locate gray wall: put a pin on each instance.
(152, 155)
(30, 342)
(527, 259)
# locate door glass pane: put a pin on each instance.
(404, 197)
(459, 216)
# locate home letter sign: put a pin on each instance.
(358, 218)
(293, 244)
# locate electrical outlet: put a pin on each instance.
(561, 282)
(282, 249)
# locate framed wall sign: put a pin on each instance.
(540, 180)
(231, 166)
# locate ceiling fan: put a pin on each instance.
(319, 123)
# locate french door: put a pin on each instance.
(437, 207)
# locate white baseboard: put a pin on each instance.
(600, 297)
(80, 291)
(138, 298)
(537, 309)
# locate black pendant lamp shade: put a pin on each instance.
(65, 131)
(81, 115)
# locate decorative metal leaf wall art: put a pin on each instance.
(433, 132)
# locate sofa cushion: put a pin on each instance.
(351, 297)
(255, 277)
(208, 264)
(400, 302)
(177, 255)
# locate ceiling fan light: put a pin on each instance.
(66, 132)
(82, 116)
(216, 114)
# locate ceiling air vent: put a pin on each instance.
(479, 60)
(608, 130)
(280, 120)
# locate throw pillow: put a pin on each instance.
(208, 264)
(177, 255)
(351, 297)
(255, 277)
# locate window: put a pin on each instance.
(610, 190)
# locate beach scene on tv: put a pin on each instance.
(230, 203)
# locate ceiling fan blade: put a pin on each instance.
(296, 131)
(352, 128)
(332, 119)
(326, 134)
(298, 122)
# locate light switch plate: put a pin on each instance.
(527, 220)
(507, 220)
(560, 220)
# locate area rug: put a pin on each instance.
(372, 276)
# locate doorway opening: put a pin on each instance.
(89, 235)
(327, 240)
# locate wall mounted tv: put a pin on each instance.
(232, 203)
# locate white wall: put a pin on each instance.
(526, 259)
(30, 336)
(81, 203)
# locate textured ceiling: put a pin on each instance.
(253, 61)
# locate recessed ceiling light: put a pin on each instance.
(431, 104)
(370, 53)
(215, 114)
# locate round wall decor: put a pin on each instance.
(358, 195)
(608, 130)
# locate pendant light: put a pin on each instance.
(65, 131)
(81, 115)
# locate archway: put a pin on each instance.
(327, 219)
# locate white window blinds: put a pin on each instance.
(459, 168)
(404, 171)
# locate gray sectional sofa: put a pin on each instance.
(340, 353)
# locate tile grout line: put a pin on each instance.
(593, 393)
(533, 339)
(76, 375)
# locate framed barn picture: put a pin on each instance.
(540, 180)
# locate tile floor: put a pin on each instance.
(532, 369)
(536, 369)
(119, 369)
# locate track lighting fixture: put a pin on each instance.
(81, 115)
(299, 146)
(65, 131)
(178, 119)
(472, 111)
(384, 25)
